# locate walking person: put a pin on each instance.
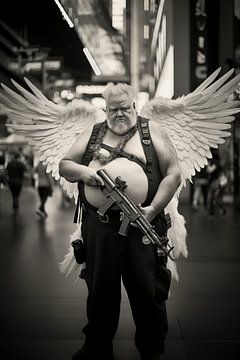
(45, 188)
(15, 171)
(200, 189)
(217, 184)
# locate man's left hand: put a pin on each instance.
(148, 211)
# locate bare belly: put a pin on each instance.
(131, 172)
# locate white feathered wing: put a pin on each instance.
(51, 128)
(194, 123)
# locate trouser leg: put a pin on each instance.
(43, 195)
(103, 280)
(147, 282)
(219, 200)
(196, 195)
(15, 190)
(205, 195)
(211, 201)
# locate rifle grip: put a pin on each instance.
(103, 209)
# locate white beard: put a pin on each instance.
(120, 128)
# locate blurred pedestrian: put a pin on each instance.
(200, 189)
(45, 188)
(15, 171)
(3, 170)
(217, 185)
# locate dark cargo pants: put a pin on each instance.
(111, 257)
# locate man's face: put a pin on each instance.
(121, 115)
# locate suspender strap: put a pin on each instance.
(152, 163)
(78, 210)
(91, 143)
(87, 157)
(147, 144)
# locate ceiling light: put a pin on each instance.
(65, 15)
(92, 61)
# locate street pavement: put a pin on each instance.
(42, 311)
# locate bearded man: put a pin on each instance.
(136, 149)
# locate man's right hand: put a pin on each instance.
(90, 177)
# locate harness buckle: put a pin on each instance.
(131, 157)
(146, 141)
(103, 218)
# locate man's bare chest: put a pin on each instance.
(133, 146)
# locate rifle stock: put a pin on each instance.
(113, 190)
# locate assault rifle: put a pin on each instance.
(113, 190)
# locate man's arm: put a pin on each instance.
(70, 166)
(169, 167)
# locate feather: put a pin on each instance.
(207, 82)
(50, 127)
(217, 84)
(199, 121)
(230, 86)
(68, 265)
(33, 99)
(40, 95)
(195, 124)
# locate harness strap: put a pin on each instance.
(152, 163)
(87, 157)
(78, 210)
(91, 144)
(144, 132)
(125, 154)
(146, 141)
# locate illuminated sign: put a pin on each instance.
(199, 69)
(161, 48)
(90, 89)
(35, 66)
(118, 8)
(64, 83)
(161, 81)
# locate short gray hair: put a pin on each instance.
(118, 89)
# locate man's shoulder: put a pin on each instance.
(149, 122)
(88, 131)
(97, 125)
(155, 128)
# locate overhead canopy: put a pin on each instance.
(93, 25)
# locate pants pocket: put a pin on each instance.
(79, 245)
(163, 282)
(79, 251)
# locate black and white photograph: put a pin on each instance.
(120, 179)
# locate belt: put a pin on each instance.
(112, 217)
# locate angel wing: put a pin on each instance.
(51, 128)
(198, 121)
(194, 123)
